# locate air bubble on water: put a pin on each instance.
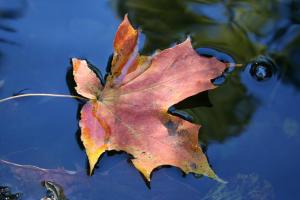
(262, 68)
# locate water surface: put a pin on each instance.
(250, 131)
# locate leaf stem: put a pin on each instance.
(234, 64)
(41, 94)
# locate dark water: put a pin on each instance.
(250, 124)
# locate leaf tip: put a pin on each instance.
(125, 31)
(93, 158)
(92, 163)
(188, 42)
(144, 171)
(215, 177)
(126, 18)
(146, 174)
(75, 60)
(188, 39)
(76, 63)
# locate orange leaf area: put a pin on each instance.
(129, 113)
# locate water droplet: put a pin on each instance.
(219, 80)
(262, 68)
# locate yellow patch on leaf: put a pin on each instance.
(130, 112)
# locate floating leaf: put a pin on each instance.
(130, 112)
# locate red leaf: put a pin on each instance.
(88, 84)
(130, 113)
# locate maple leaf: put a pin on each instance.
(130, 112)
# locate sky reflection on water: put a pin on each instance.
(251, 132)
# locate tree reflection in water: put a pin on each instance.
(242, 29)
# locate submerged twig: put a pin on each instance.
(42, 94)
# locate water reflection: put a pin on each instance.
(7, 194)
(242, 186)
(231, 112)
(243, 29)
(41, 132)
(76, 185)
(9, 11)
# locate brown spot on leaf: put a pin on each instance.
(182, 132)
(147, 126)
(193, 166)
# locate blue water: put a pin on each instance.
(251, 132)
